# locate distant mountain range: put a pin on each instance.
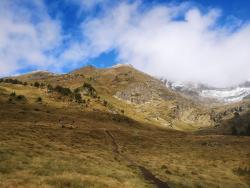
(204, 92)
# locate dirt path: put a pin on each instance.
(150, 177)
(115, 145)
(147, 174)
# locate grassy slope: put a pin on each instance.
(35, 151)
(165, 108)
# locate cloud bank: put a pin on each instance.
(175, 42)
(26, 37)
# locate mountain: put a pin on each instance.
(139, 95)
(36, 75)
(117, 127)
(211, 94)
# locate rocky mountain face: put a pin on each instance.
(231, 118)
(209, 94)
(136, 94)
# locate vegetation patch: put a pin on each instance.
(74, 183)
(14, 97)
(11, 161)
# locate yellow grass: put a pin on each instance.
(106, 150)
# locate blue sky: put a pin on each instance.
(62, 35)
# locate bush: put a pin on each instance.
(50, 88)
(39, 99)
(21, 97)
(15, 97)
(63, 90)
(13, 94)
(36, 84)
(78, 97)
(12, 81)
(105, 103)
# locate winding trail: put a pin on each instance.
(147, 174)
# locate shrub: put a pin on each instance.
(20, 97)
(105, 103)
(63, 90)
(13, 94)
(15, 97)
(50, 88)
(39, 99)
(236, 114)
(12, 81)
(36, 84)
(78, 97)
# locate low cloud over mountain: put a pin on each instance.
(178, 42)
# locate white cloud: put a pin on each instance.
(26, 36)
(159, 41)
(176, 42)
(76, 52)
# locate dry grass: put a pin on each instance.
(35, 151)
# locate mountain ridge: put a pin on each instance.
(145, 96)
(204, 92)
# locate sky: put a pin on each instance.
(205, 41)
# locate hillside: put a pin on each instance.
(50, 140)
(139, 95)
(126, 91)
(231, 119)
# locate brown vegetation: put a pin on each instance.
(106, 142)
